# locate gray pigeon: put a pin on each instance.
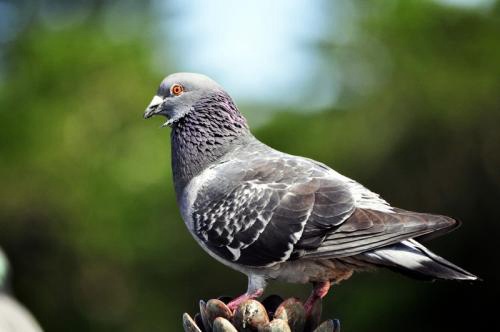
(13, 316)
(275, 216)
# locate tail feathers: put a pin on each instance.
(411, 258)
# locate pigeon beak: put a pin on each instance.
(153, 107)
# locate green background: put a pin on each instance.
(87, 209)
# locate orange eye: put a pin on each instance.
(176, 89)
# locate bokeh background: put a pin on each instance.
(402, 95)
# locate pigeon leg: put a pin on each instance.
(320, 289)
(242, 298)
(256, 285)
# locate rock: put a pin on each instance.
(199, 322)
(249, 316)
(223, 325)
(336, 325)
(331, 325)
(293, 312)
(204, 316)
(276, 325)
(217, 308)
(189, 324)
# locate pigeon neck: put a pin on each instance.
(204, 135)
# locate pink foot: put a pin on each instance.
(242, 298)
(319, 291)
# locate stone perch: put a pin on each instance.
(273, 314)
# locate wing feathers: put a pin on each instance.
(370, 229)
(262, 208)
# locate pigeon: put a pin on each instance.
(276, 216)
(13, 316)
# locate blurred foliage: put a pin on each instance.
(87, 209)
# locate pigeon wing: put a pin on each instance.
(264, 210)
(253, 212)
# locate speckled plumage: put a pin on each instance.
(204, 135)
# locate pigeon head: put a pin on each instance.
(188, 96)
(206, 123)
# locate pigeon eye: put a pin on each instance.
(176, 89)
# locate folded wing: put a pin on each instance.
(260, 211)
